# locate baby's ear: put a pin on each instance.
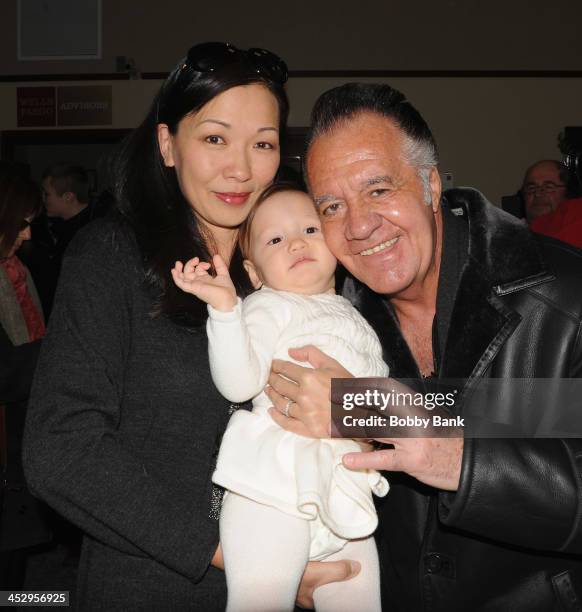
(256, 281)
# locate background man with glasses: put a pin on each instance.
(551, 206)
(545, 187)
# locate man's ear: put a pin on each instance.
(165, 144)
(256, 281)
(434, 182)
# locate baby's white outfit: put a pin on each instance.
(301, 477)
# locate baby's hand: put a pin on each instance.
(193, 277)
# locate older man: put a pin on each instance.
(484, 524)
(545, 187)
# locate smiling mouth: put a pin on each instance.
(236, 198)
(380, 247)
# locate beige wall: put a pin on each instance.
(488, 130)
(331, 34)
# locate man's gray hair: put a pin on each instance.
(422, 155)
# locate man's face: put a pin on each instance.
(56, 205)
(543, 190)
(372, 206)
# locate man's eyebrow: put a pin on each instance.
(373, 180)
(376, 180)
(319, 200)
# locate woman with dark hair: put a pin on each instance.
(21, 329)
(121, 437)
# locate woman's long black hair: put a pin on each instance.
(149, 198)
(20, 197)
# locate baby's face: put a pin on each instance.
(287, 249)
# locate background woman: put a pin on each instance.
(121, 437)
(22, 524)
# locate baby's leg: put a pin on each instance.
(265, 554)
(361, 593)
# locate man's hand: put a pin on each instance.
(318, 573)
(308, 389)
(218, 291)
(434, 461)
(433, 455)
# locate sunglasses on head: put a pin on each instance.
(208, 57)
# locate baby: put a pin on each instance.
(289, 498)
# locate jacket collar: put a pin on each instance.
(501, 246)
(503, 257)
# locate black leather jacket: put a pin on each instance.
(510, 538)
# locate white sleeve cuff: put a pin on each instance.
(226, 315)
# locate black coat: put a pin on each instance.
(510, 538)
(22, 520)
(121, 434)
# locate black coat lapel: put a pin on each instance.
(480, 324)
(503, 256)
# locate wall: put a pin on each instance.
(331, 34)
(488, 129)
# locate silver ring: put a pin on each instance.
(287, 406)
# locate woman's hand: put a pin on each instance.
(302, 396)
(217, 558)
(218, 291)
(318, 573)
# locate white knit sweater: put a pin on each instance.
(301, 476)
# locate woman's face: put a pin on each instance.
(225, 154)
(23, 234)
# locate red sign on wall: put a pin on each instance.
(84, 105)
(36, 106)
